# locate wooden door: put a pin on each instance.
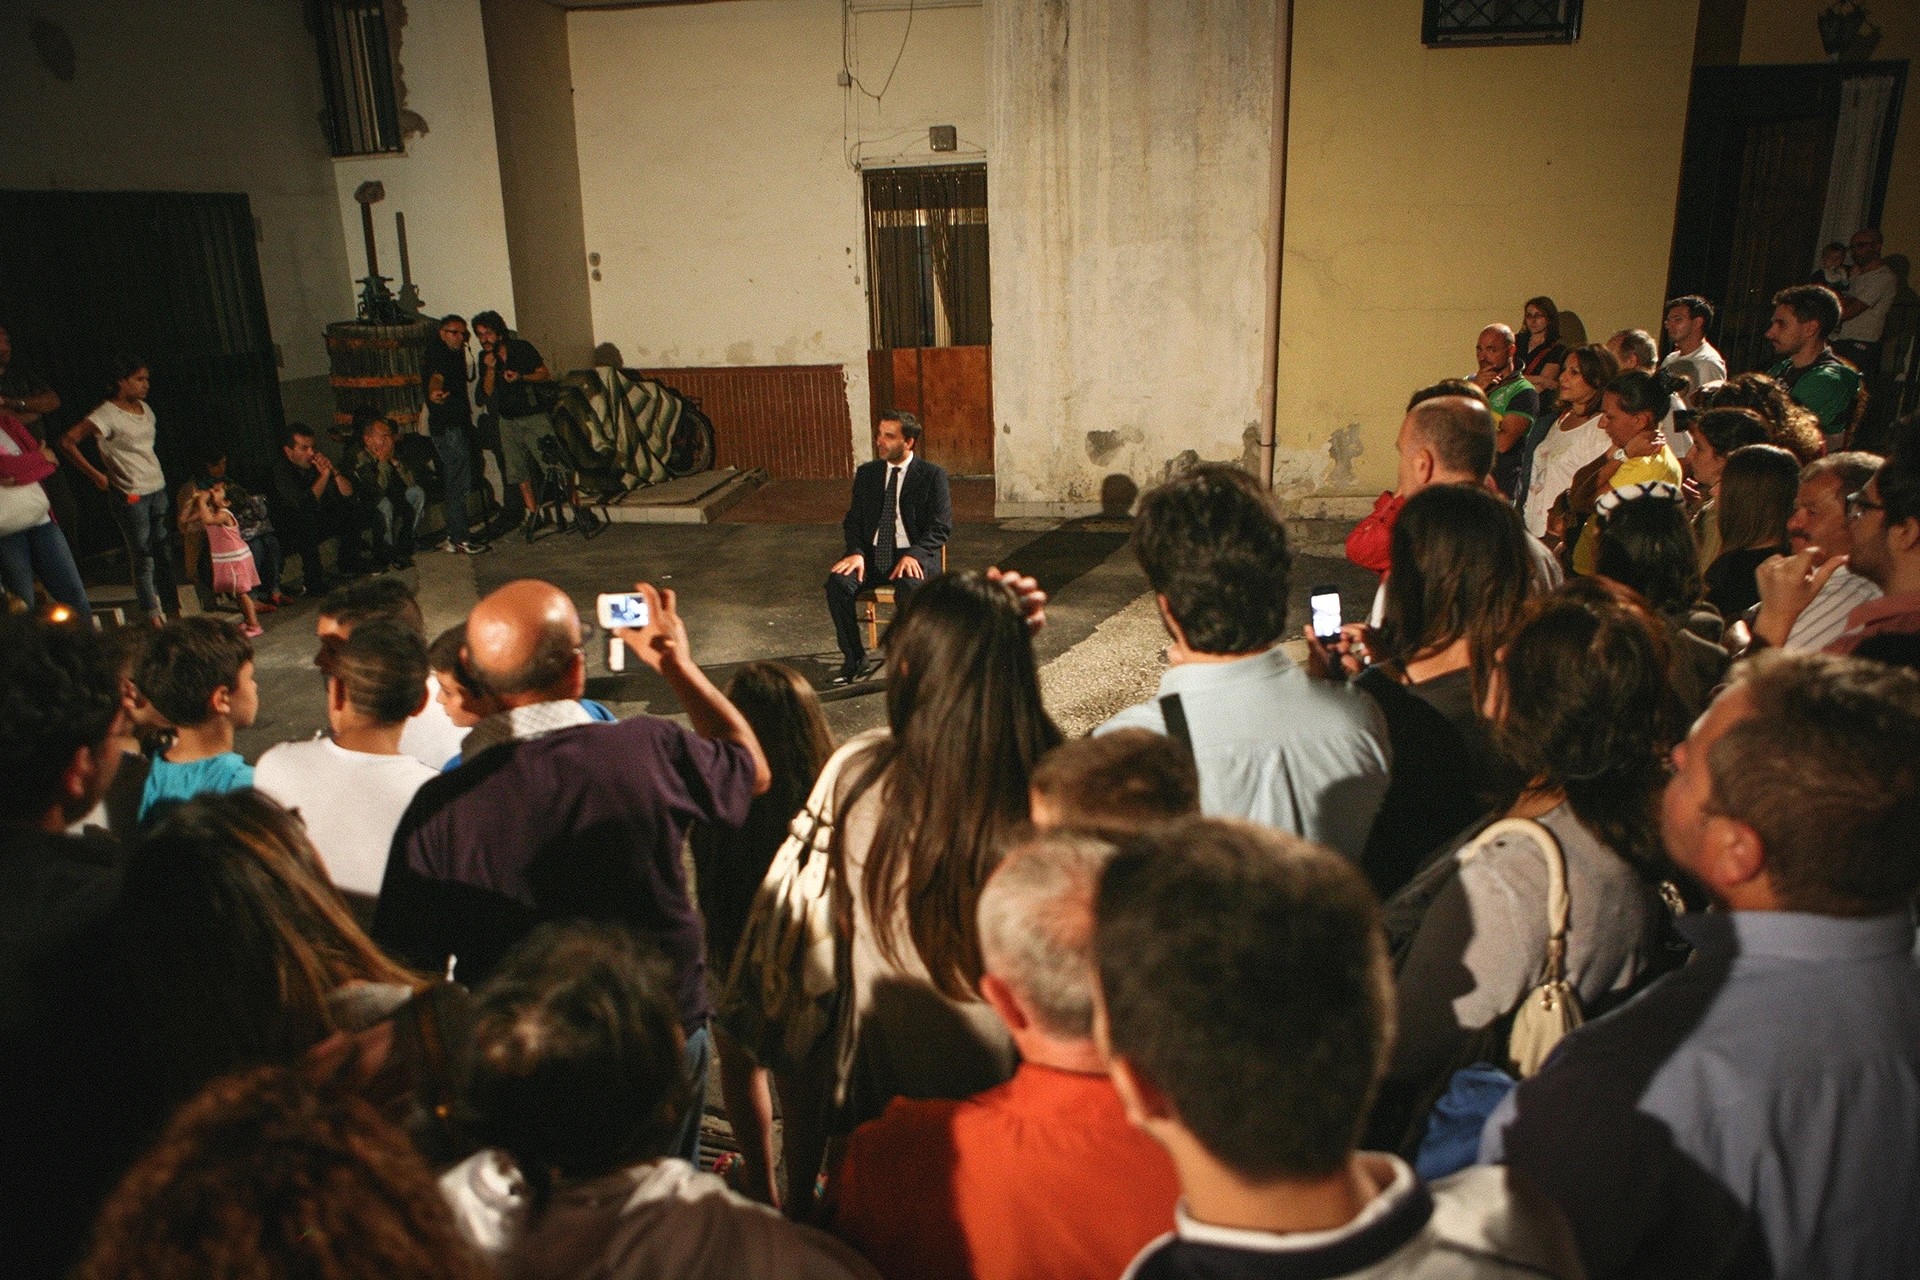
(950, 389)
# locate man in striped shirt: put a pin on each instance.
(1820, 531)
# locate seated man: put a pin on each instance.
(391, 502)
(311, 502)
(575, 1088)
(900, 517)
(1804, 319)
(1757, 1112)
(1515, 402)
(1820, 531)
(1246, 1011)
(1272, 743)
(565, 817)
(1041, 1176)
(1115, 784)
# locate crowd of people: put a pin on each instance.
(1556, 920)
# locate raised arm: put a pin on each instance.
(662, 644)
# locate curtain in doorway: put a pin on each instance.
(1857, 138)
(927, 256)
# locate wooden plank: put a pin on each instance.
(956, 392)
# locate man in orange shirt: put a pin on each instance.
(1041, 1178)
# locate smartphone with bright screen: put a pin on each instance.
(622, 609)
(1325, 602)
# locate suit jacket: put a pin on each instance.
(926, 508)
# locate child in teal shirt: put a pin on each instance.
(198, 673)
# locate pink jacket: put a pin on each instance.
(30, 466)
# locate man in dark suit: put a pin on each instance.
(901, 515)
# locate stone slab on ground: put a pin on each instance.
(695, 499)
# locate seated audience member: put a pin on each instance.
(392, 502)
(1635, 349)
(564, 817)
(1559, 446)
(198, 673)
(1538, 351)
(1515, 402)
(1686, 324)
(1460, 579)
(1645, 546)
(1246, 1009)
(1885, 515)
(311, 502)
(1630, 415)
(1115, 784)
(1804, 319)
(1420, 460)
(1790, 425)
(430, 736)
(1271, 743)
(266, 1174)
(1758, 1111)
(351, 789)
(1716, 434)
(1583, 714)
(729, 866)
(577, 1092)
(1042, 1176)
(1755, 501)
(1820, 531)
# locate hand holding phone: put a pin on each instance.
(1325, 603)
(619, 609)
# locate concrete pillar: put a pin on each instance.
(1130, 192)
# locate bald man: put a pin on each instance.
(554, 816)
(1515, 401)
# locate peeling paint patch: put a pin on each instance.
(742, 353)
(1178, 465)
(1343, 447)
(1102, 445)
(1250, 450)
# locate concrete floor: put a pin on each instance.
(754, 590)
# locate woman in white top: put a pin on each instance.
(1575, 438)
(125, 426)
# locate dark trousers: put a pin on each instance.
(842, 588)
(456, 477)
(302, 537)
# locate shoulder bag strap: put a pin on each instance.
(1175, 715)
(1559, 906)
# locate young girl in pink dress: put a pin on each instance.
(234, 572)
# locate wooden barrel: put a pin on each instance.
(378, 367)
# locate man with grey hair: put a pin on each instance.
(1039, 1176)
(1803, 604)
(1636, 349)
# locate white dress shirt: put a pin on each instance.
(900, 539)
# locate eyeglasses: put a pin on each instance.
(1858, 504)
(1536, 315)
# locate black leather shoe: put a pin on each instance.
(850, 670)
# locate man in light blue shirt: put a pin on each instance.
(1757, 1113)
(1272, 744)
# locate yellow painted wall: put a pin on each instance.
(1422, 204)
(1784, 31)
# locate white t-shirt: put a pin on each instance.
(432, 737)
(126, 446)
(22, 506)
(1876, 289)
(351, 802)
(1703, 364)
(1561, 453)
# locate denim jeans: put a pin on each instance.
(695, 1058)
(147, 525)
(267, 558)
(393, 533)
(456, 476)
(42, 552)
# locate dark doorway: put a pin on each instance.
(172, 277)
(1755, 186)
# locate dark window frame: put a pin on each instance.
(354, 39)
(1455, 24)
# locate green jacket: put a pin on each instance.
(1826, 387)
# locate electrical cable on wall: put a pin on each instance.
(846, 63)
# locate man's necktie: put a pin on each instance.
(883, 552)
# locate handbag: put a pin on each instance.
(1550, 1010)
(781, 992)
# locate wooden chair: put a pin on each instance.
(872, 597)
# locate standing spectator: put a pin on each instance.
(125, 426)
(566, 817)
(1646, 546)
(1716, 434)
(1819, 531)
(576, 1091)
(26, 395)
(1573, 439)
(31, 544)
(242, 1175)
(1515, 401)
(1539, 354)
(1583, 715)
(1041, 1176)
(312, 502)
(351, 789)
(1272, 743)
(450, 423)
(1247, 1015)
(1863, 312)
(1758, 1111)
(1833, 268)
(198, 673)
(729, 867)
(1421, 463)
(1804, 319)
(508, 368)
(1687, 321)
(1630, 415)
(1115, 784)
(392, 503)
(1756, 496)
(1461, 575)
(431, 736)
(230, 566)
(255, 523)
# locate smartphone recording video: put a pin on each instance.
(1325, 602)
(622, 609)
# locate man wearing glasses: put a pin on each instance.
(450, 422)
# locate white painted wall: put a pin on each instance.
(448, 180)
(207, 95)
(717, 171)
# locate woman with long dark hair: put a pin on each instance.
(1538, 351)
(1461, 575)
(125, 426)
(1567, 440)
(1647, 547)
(1757, 490)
